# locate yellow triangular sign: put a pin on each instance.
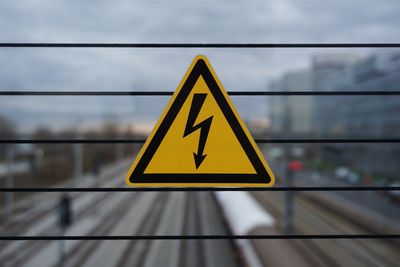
(200, 140)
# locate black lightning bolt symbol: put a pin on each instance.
(204, 126)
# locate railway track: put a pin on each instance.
(192, 250)
(136, 251)
(44, 221)
(130, 213)
(203, 217)
(180, 213)
(81, 253)
(313, 217)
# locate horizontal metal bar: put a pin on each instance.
(86, 93)
(168, 93)
(185, 189)
(200, 45)
(141, 141)
(202, 237)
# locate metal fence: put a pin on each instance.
(164, 93)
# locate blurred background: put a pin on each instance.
(133, 117)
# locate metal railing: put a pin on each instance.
(168, 93)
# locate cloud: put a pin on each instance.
(171, 21)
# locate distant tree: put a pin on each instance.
(7, 131)
(109, 129)
(43, 133)
(7, 128)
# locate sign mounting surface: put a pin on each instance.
(200, 140)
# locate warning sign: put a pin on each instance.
(200, 140)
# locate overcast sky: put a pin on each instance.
(162, 69)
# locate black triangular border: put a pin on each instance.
(200, 69)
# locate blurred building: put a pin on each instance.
(344, 116)
(372, 116)
(359, 116)
(331, 72)
(300, 109)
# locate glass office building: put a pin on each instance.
(360, 116)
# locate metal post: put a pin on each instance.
(61, 248)
(120, 152)
(33, 169)
(78, 162)
(289, 203)
(288, 227)
(96, 171)
(9, 196)
(65, 220)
